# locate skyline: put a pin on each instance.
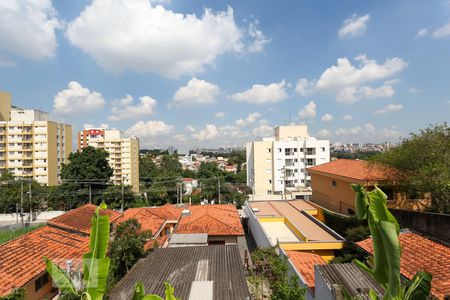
(230, 73)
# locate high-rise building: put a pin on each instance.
(123, 153)
(278, 165)
(31, 146)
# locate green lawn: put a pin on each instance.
(10, 234)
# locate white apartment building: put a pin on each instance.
(277, 166)
(123, 153)
(31, 146)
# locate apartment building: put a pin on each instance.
(31, 146)
(277, 166)
(123, 153)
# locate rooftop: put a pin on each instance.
(79, 219)
(217, 267)
(219, 219)
(21, 258)
(304, 263)
(353, 169)
(420, 253)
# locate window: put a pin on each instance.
(323, 149)
(40, 282)
(269, 181)
(333, 183)
(268, 150)
(167, 231)
(279, 150)
(295, 149)
(269, 192)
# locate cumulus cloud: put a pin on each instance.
(324, 133)
(303, 87)
(413, 90)
(251, 118)
(309, 111)
(208, 133)
(327, 117)
(442, 32)
(139, 36)
(190, 128)
(150, 129)
(196, 91)
(77, 99)
(259, 39)
(262, 94)
(367, 132)
(353, 26)
(104, 126)
(389, 108)
(347, 117)
(263, 130)
(28, 27)
(422, 32)
(124, 109)
(219, 115)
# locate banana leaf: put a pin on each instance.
(419, 287)
(60, 278)
(391, 246)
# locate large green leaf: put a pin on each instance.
(419, 287)
(392, 247)
(361, 202)
(139, 291)
(60, 278)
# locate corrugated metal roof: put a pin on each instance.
(189, 238)
(179, 265)
(202, 290)
(356, 282)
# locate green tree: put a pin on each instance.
(209, 170)
(157, 194)
(126, 249)
(170, 166)
(18, 294)
(147, 169)
(112, 196)
(422, 164)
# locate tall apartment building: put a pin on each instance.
(123, 153)
(278, 165)
(31, 146)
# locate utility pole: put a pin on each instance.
(90, 194)
(21, 202)
(31, 202)
(218, 187)
(121, 208)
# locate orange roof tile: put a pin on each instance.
(352, 168)
(79, 219)
(219, 219)
(304, 262)
(145, 217)
(420, 253)
(21, 258)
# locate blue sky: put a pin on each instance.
(197, 73)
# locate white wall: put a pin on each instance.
(255, 228)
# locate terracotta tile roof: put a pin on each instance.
(79, 219)
(21, 258)
(219, 219)
(304, 262)
(151, 243)
(420, 253)
(352, 168)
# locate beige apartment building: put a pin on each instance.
(31, 146)
(277, 166)
(123, 153)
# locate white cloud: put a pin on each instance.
(259, 39)
(413, 90)
(324, 133)
(27, 28)
(209, 133)
(219, 115)
(353, 26)
(422, 32)
(263, 130)
(347, 117)
(190, 128)
(261, 94)
(150, 129)
(442, 32)
(309, 111)
(124, 109)
(104, 126)
(196, 91)
(139, 36)
(251, 118)
(180, 137)
(303, 87)
(77, 99)
(367, 132)
(327, 117)
(389, 108)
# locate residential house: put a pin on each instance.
(422, 254)
(64, 240)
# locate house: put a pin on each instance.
(159, 220)
(292, 226)
(194, 272)
(64, 239)
(230, 169)
(220, 222)
(420, 253)
(331, 182)
(189, 184)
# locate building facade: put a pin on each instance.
(31, 146)
(123, 153)
(276, 166)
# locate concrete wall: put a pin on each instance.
(430, 224)
(255, 229)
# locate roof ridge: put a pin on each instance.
(221, 222)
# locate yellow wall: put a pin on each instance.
(44, 292)
(134, 155)
(68, 141)
(289, 132)
(5, 106)
(262, 161)
(52, 164)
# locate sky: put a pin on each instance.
(221, 73)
